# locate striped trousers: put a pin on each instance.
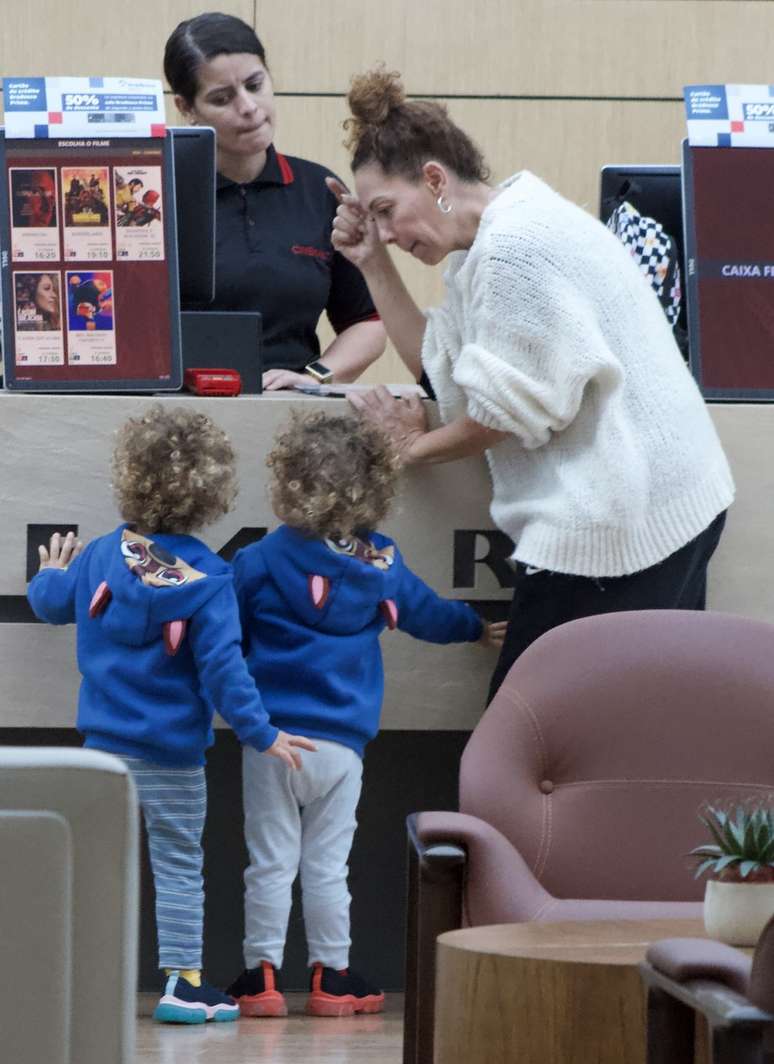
(174, 804)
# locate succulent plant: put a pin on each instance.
(743, 843)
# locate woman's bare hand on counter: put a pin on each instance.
(274, 380)
(403, 420)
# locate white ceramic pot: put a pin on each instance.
(736, 913)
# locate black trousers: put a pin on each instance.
(543, 599)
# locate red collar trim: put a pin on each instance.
(285, 170)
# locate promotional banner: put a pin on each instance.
(83, 107)
(730, 116)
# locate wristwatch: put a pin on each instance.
(320, 372)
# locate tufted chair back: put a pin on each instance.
(607, 736)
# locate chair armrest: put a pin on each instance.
(761, 989)
(435, 881)
(728, 987)
(499, 886)
(438, 859)
(685, 959)
(722, 1006)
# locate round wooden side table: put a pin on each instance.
(563, 993)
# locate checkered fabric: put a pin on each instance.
(654, 251)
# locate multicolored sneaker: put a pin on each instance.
(341, 993)
(182, 1002)
(258, 992)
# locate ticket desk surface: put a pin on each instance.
(542, 993)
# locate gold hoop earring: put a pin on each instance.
(443, 205)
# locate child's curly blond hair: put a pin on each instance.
(332, 476)
(173, 470)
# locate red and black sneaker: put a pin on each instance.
(257, 991)
(341, 993)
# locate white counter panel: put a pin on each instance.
(54, 468)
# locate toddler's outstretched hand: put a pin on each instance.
(493, 634)
(283, 745)
(60, 552)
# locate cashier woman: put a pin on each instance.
(274, 212)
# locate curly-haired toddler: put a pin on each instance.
(314, 597)
(159, 650)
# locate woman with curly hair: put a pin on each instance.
(551, 355)
(314, 597)
(158, 648)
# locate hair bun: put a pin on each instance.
(371, 98)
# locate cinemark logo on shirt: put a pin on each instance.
(314, 253)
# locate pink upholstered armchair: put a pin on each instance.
(580, 786)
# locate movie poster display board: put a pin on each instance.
(729, 232)
(90, 274)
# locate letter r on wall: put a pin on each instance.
(488, 547)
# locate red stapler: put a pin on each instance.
(213, 381)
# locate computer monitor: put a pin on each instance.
(656, 192)
(193, 153)
(224, 339)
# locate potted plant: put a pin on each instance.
(739, 898)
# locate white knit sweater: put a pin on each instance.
(552, 334)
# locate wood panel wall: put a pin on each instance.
(560, 87)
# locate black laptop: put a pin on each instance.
(224, 339)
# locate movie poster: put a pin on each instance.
(86, 206)
(91, 336)
(138, 207)
(39, 337)
(34, 216)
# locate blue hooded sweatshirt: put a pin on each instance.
(137, 699)
(312, 617)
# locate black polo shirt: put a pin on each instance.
(274, 254)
